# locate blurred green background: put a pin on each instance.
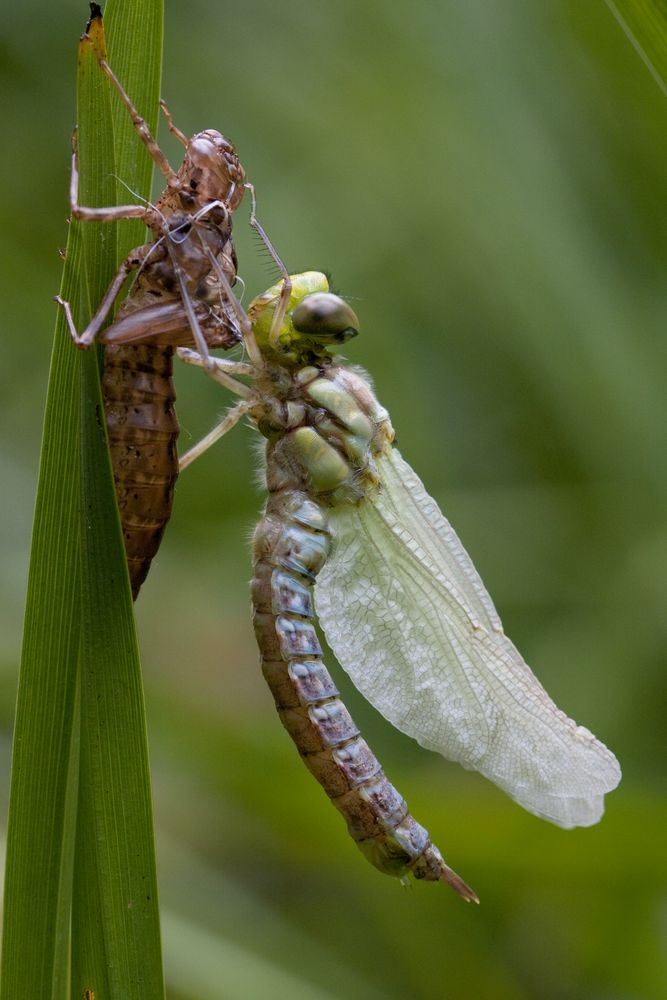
(486, 183)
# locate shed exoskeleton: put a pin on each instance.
(176, 298)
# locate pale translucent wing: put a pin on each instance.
(408, 618)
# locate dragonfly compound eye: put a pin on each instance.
(325, 317)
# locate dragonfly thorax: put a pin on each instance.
(320, 438)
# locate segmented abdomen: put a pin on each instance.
(290, 547)
(142, 428)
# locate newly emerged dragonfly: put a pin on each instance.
(350, 535)
(176, 299)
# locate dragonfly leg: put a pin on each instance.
(234, 367)
(133, 261)
(147, 213)
(245, 325)
(230, 420)
(170, 123)
(286, 290)
(218, 369)
(206, 209)
(193, 322)
(141, 128)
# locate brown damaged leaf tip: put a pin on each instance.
(95, 13)
(94, 33)
(458, 885)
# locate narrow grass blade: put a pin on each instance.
(115, 920)
(36, 851)
(79, 646)
(644, 22)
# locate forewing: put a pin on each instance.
(409, 619)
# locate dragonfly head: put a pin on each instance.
(315, 319)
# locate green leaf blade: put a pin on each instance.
(37, 899)
(80, 838)
(645, 24)
(116, 936)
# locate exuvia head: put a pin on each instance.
(315, 319)
(212, 169)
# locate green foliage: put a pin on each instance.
(645, 24)
(80, 839)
